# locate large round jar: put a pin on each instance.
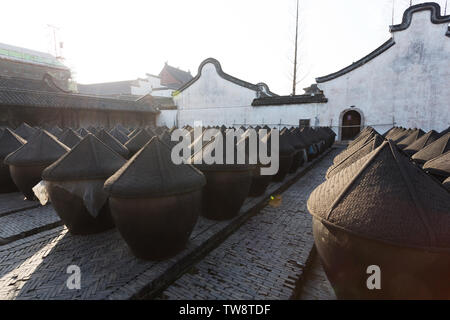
(75, 186)
(383, 214)
(9, 142)
(155, 203)
(27, 163)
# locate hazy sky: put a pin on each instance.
(253, 39)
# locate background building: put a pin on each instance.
(404, 82)
(43, 103)
(30, 64)
(162, 85)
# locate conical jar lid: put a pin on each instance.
(9, 142)
(151, 173)
(364, 150)
(119, 135)
(433, 150)
(113, 143)
(25, 131)
(413, 136)
(439, 166)
(89, 159)
(421, 143)
(42, 148)
(70, 138)
(385, 197)
(138, 141)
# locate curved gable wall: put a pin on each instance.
(409, 82)
(211, 90)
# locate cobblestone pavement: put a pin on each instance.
(265, 257)
(35, 267)
(13, 202)
(27, 222)
(316, 285)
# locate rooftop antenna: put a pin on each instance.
(445, 8)
(295, 54)
(54, 29)
(393, 11)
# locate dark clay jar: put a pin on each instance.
(297, 161)
(406, 273)
(72, 211)
(159, 227)
(285, 165)
(225, 192)
(26, 177)
(6, 183)
(259, 183)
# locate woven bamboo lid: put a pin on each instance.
(364, 150)
(291, 139)
(138, 141)
(210, 148)
(89, 159)
(9, 142)
(385, 197)
(401, 135)
(56, 131)
(82, 132)
(133, 133)
(421, 143)
(119, 135)
(113, 143)
(351, 149)
(366, 134)
(413, 136)
(25, 131)
(433, 150)
(444, 131)
(388, 133)
(439, 166)
(70, 138)
(151, 173)
(300, 137)
(42, 148)
(285, 146)
(121, 128)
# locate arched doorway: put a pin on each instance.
(351, 124)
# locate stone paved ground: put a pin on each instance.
(316, 286)
(23, 223)
(265, 257)
(35, 267)
(13, 202)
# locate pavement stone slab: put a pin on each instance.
(265, 257)
(13, 202)
(26, 222)
(35, 267)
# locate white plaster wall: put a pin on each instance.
(409, 82)
(154, 82)
(142, 89)
(286, 115)
(162, 93)
(213, 100)
(167, 118)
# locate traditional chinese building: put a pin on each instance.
(30, 64)
(404, 82)
(43, 103)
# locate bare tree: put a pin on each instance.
(294, 82)
(298, 71)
